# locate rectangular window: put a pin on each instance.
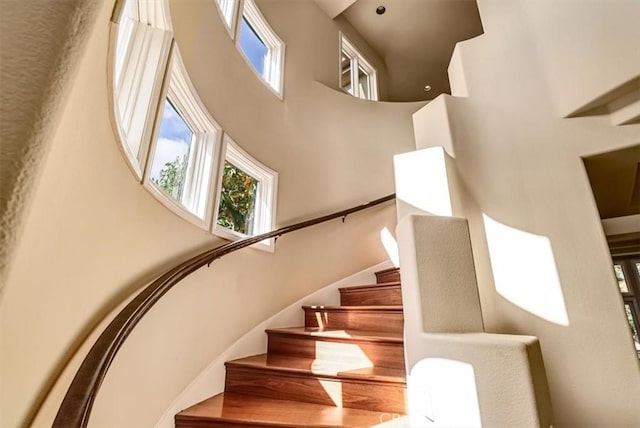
(171, 155)
(627, 272)
(181, 163)
(633, 322)
(261, 46)
(246, 196)
(355, 68)
(237, 200)
(141, 57)
(622, 282)
(253, 47)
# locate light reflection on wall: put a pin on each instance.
(390, 246)
(443, 393)
(524, 271)
(421, 181)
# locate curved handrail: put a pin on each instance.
(76, 406)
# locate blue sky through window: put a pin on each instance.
(252, 46)
(174, 139)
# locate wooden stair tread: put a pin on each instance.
(370, 308)
(340, 334)
(245, 410)
(380, 294)
(370, 286)
(308, 367)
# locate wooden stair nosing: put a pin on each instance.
(386, 375)
(388, 275)
(382, 350)
(353, 335)
(372, 295)
(229, 410)
(358, 393)
(382, 318)
(383, 285)
(355, 308)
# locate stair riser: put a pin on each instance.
(380, 354)
(215, 424)
(204, 423)
(377, 396)
(371, 297)
(384, 321)
(389, 275)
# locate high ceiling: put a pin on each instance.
(415, 38)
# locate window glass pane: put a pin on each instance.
(252, 46)
(622, 283)
(638, 268)
(237, 199)
(632, 324)
(169, 166)
(363, 84)
(345, 75)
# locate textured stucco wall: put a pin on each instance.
(40, 42)
(98, 235)
(540, 253)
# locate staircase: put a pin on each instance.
(345, 367)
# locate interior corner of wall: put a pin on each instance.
(457, 78)
(431, 125)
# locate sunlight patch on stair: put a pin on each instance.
(322, 318)
(333, 390)
(525, 272)
(390, 246)
(391, 420)
(334, 357)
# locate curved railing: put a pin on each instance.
(76, 407)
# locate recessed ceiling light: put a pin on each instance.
(380, 10)
(427, 88)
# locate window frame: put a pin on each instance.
(203, 153)
(149, 35)
(229, 14)
(632, 279)
(266, 193)
(273, 74)
(170, 82)
(358, 60)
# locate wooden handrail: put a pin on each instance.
(76, 406)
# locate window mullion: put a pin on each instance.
(355, 83)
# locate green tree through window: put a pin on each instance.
(237, 199)
(171, 177)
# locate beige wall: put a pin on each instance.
(520, 162)
(40, 42)
(93, 235)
